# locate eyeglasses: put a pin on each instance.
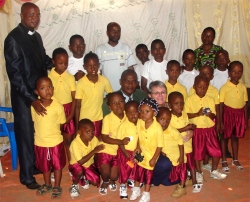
(159, 93)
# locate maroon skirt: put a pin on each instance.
(98, 128)
(234, 122)
(68, 128)
(178, 173)
(143, 175)
(190, 161)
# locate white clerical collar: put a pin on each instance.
(31, 33)
(127, 98)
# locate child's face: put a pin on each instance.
(87, 132)
(91, 66)
(158, 51)
(235, 73)
(132, 113)
(207, 72)
(189, 60)
(146, 113)
(116, 104)
(176, 105)
(201, 87)
(142, 54)
(207, 37)
(222, 61)
(164, 120)
(45, 89)
(173, 72)
(61, 63)
(114, 33)
(77, 47)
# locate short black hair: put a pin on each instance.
(110, 95)
(186, 52)
(131, 103)
(84, 122)
(172, 62)
(163, 110)
(42, 78)
(128, 71)
(76, 36)
(174, 94)
(221, 52)
(234, 63)
(26, 5)
(209, 28)
(157, 41)
(58, 51)
(90, 55)
(207, 66)
(140, 46)
(112, 24)
(199, 78)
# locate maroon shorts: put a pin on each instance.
(103, 158)
(91, 173)
(98, 128)
(68, 128)
(205, 141)
(190, 161)
(50, 157)
(143, 175)
(234, 122)
(125, 171)
(178, 173)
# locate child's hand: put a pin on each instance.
(126, 140)
(99, 148)
(200, 112)
(188, 136)
(152, 162)
(180, 160)
(190, 127)
(79, 75)
(137, 150)
(210, 115)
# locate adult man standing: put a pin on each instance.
(115, 57)
(26, 61)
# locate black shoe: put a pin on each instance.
(33, 185)
(228, 154)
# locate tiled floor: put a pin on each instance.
(236, 187)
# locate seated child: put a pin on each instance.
(200, 109)
(173, 71)
(149, 145)
(142, 53)
(154, 69)
(180, 121)
(107, 158)
(233, 113)
(189, 73)
(126, 153)
(83, 149)
(90, 92)
(49, 148)
(64, 92)
(77, 47)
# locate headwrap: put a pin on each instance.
(151, 103)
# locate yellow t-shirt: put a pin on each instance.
(91, 95)
(149, 140)
(211, 92)
(180, 122)
(47, 127)
(128, 129)
(63, 84)
(172, 140)
(78, 150)
(194, 103)
(177, 87)
(234, 96)
(110, 125)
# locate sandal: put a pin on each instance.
(225, 169)
(112, 187)
(103, 190)
(56, 192)
(44, 189)
(239, 167)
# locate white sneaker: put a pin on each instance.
(135, 194)
(207, 167)
(86, 184)
(199, 178)
(217, 174)
(197, 188)
(74, 190)
(131, 183)
(145, 197)
(123, 191)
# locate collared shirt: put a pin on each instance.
(187, 78)
(127, 98)
(177, 87)
(220, 78)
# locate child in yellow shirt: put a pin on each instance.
(233, 112)
(64, 92)
(173, 71)
(49, 147)
(82, 151)
(107, 158)
(149, 145)
(200, 109)
(126, 153)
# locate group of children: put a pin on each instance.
(127, 143)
